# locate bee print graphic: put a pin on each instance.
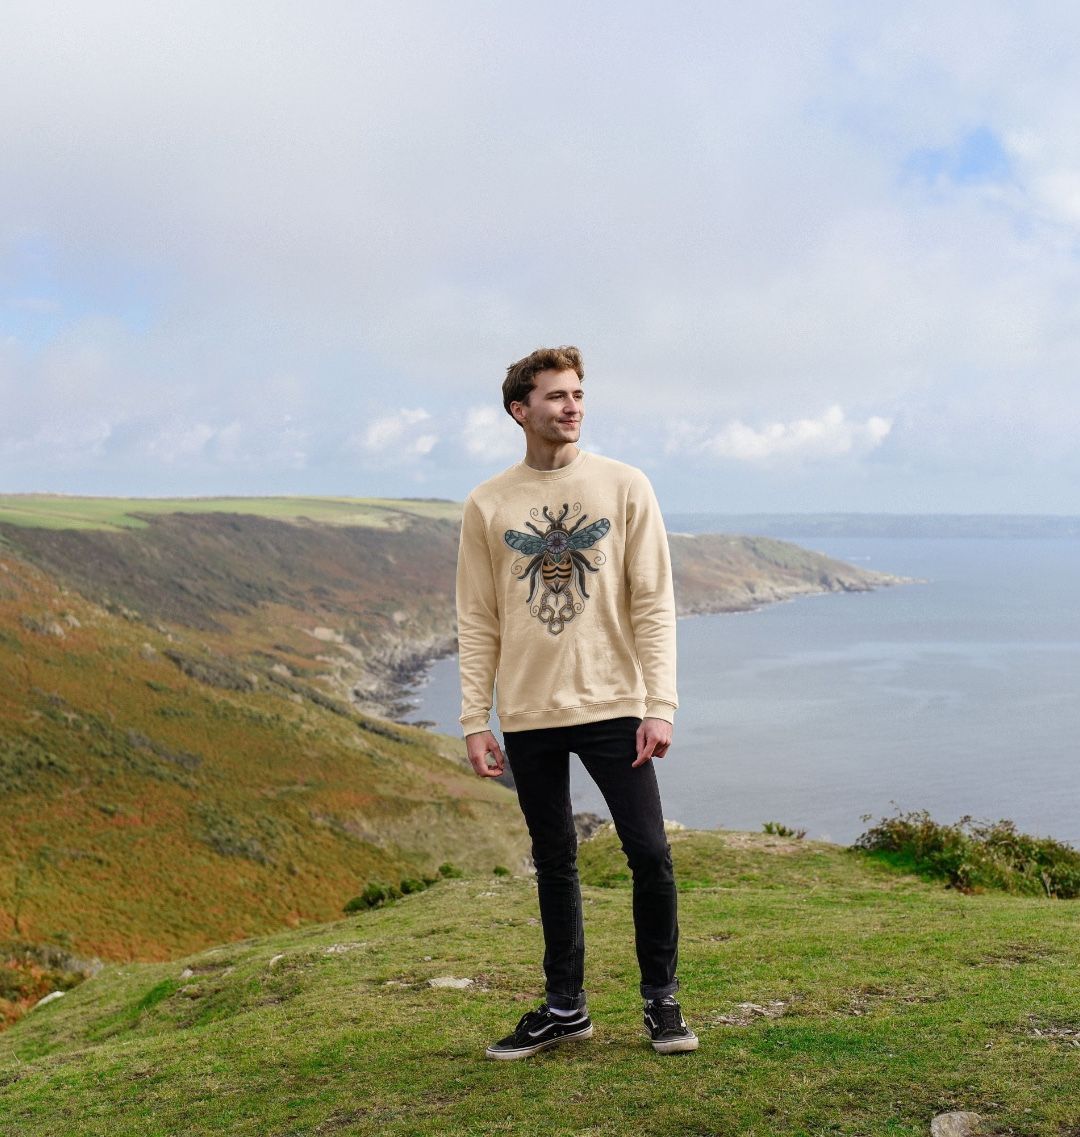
(557, 563)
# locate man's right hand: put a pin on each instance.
(479, 746)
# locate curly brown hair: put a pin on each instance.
(520, 376)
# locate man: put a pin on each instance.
(564, 596)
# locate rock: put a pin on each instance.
(72, 620)
(60, 994)
(449, 981)
(274, 959)
(587, 824)
(328, 635)
(147, 651)
(957, 1124)
(187, 973)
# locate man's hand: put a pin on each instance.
(653, 740)
(480, 745)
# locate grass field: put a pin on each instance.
(56, 511)
(832, 995)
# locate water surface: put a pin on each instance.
(959, 695)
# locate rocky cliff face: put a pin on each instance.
(716, 572)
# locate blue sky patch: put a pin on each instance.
(975, 159)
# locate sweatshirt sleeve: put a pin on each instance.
(652, 598)
(478, 621)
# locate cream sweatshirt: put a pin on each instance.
(564, 598)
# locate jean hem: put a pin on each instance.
(565, 1002)
(649, 993)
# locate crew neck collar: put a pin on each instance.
(553, 475)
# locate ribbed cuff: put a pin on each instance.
(660, 709)
(475, 725)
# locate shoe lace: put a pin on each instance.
(532, 1018)
(668, 1015)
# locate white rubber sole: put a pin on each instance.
(529, 1051)
(676, 1045)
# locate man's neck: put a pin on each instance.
(550, 456)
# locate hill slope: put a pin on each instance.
(164, 790)
(832, 995)
(189, 742)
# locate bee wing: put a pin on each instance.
(588, 536)
(524, 542)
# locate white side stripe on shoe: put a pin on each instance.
(547, 1026)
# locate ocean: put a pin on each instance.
(960, 695)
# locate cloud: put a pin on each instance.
(831, 435)
(490, 435)
(365, 208)
(398, 434)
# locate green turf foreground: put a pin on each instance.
(832, 994)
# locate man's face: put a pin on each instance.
(555, 408)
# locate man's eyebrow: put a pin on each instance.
(561, 391)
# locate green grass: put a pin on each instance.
(892, 998)
(56, 511)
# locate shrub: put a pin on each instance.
(375, 894)
(448, 871)
(410, 884)
(501, 870)
(972, 856)
(779, 830)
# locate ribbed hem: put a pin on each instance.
(573, 716)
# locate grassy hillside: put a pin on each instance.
(190, 742)
(60, 511)
(832, 995)
(165, 789)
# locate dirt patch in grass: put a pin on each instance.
(1011, 955)
(868, 997)
(762, 842)
(1066, 1031)
(746, 1013)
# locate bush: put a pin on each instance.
(973, 856)
(374, 895)
(501, 870)
(448, 871)
(779, 830)
(411, 884)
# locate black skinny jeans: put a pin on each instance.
(540, 762)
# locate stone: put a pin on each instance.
(959, 1123)
(449, 981)
(52, 995)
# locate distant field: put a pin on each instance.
(54, 511)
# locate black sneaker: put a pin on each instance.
(540, 1029)
(667, 1028)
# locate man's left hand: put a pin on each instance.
(653, 740)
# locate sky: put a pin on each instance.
(817, 256)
